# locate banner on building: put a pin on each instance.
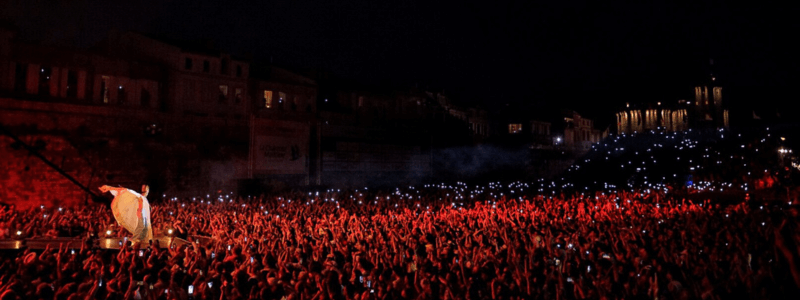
(279, 147)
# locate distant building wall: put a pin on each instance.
(356, 156)
(147, 111)
(282, 98)
(705, 112)
(281, 148)
(39, 73)
(655, 119)
(579, 133)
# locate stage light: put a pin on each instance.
(169, 231)
(108, 232)
(19, 232)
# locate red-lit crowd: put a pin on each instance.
(429, 243)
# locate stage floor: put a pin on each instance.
(75, 243)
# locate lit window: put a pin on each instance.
(223, 93)
(281, 97)
(104, 89)
(267, 99)
(514, 128)
(238, 95)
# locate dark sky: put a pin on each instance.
(581, 54)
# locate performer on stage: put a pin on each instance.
(132, 211)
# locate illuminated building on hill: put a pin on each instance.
(705, 112)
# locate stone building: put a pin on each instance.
(135, 110)
(51, 74)
(284, 143)
(372, 136)
(707, 111)
(639, 118)
(201, 81)
(578, 133)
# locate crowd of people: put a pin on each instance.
(700, 160)
(431, 242)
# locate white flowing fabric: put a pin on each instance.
(132, 211)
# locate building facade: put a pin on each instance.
(137, 110)
(186, 118)
(579, 133)
(645, 118)
(707, 111)
(200, 81)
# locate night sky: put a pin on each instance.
(587, 55)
